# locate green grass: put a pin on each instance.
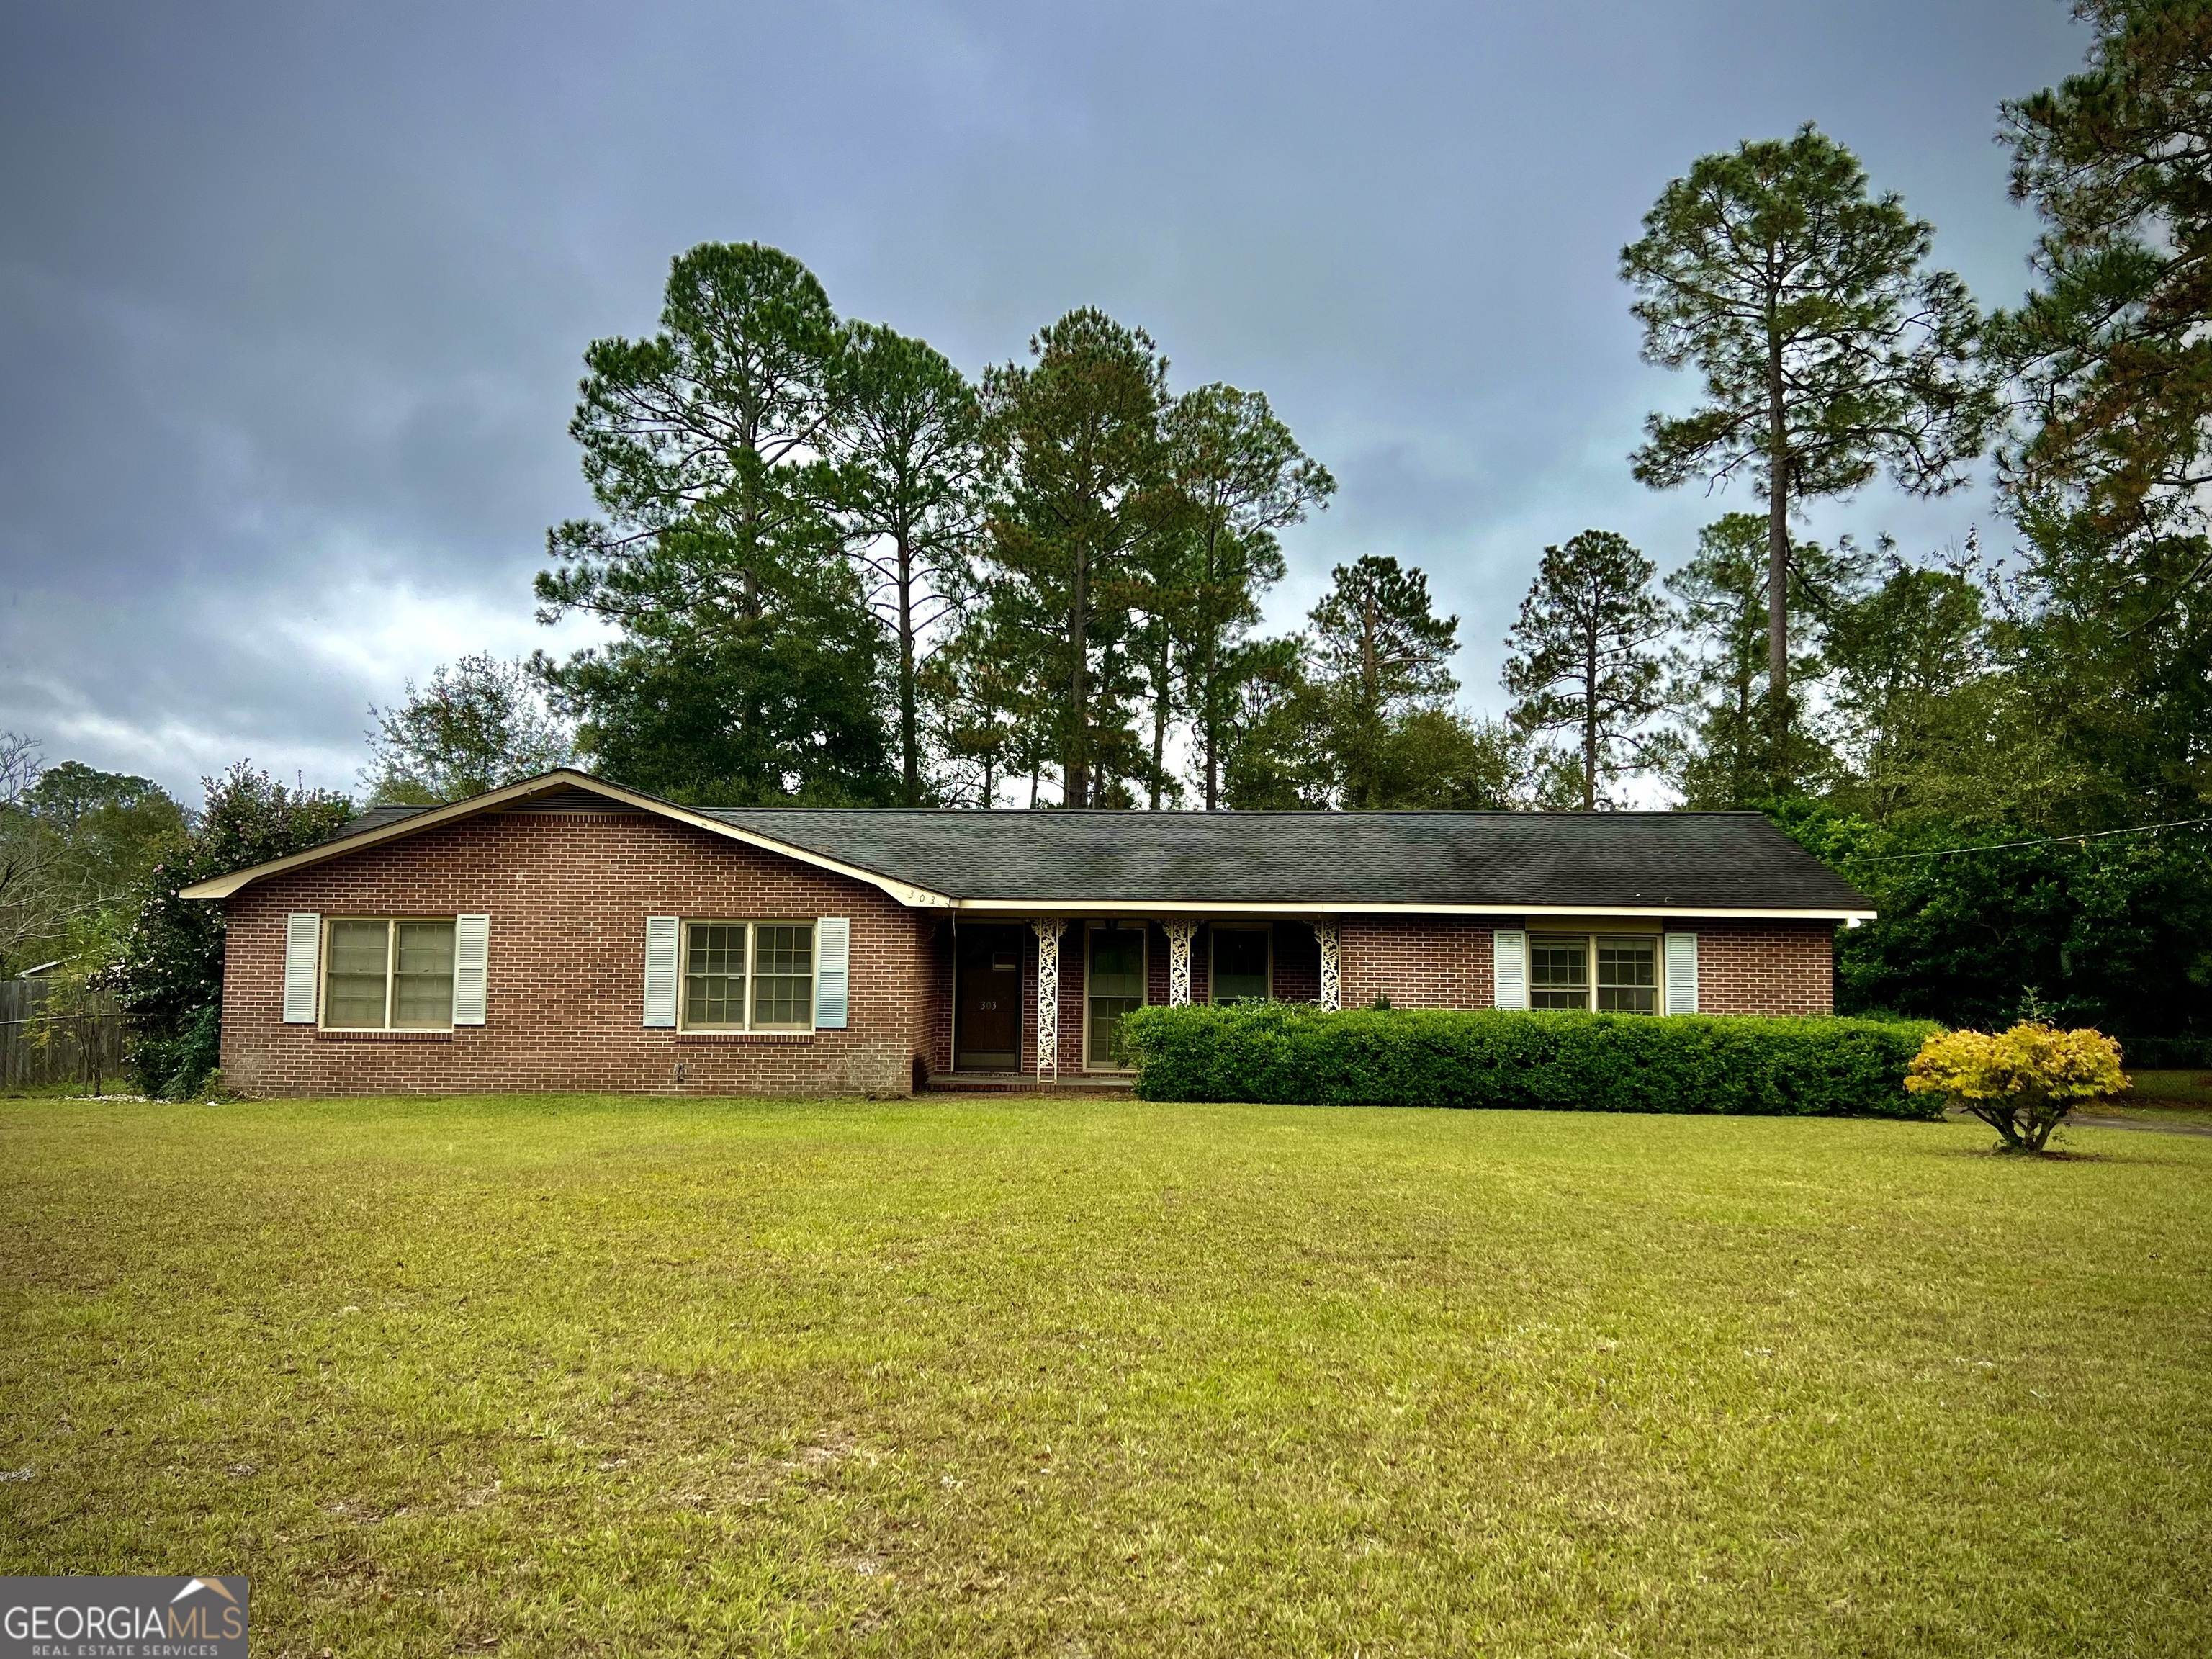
(2170, 1096)
(1106, 1377)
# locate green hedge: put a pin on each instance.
(1301, 1055)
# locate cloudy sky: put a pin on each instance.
(292, 296)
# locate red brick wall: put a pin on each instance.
(1765, 967)
(567, 896)
(1418, 961)
(1743, 967)
(1298, 963)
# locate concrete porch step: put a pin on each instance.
(1017, 1083)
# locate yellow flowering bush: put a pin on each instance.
(2022, 1082)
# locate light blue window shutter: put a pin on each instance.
(1509, 967)
(660, 933)
(833, 957)
(471, 960)
(1681, 973)
(303, 966)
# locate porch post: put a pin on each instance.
(1180, 934)
(1331, 964)
(1048, 930)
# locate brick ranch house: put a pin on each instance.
(568, 933)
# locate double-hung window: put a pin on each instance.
(1625, 981)
(388, 973)
(748, 976)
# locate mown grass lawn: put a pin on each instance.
(584, 1375)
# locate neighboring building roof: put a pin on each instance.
(1496, 863)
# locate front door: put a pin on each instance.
(987, 1031)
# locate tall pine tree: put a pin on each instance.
(1830, 351)
(746, 666)
(1586, 657)
(1076, 435)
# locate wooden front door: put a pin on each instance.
(987, 1032)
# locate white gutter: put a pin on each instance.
(1200, 910)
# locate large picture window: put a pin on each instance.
(748, 976)
(388, 973)
(1625, 981)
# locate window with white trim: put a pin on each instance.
(748, 976)
(388, 973)
(1625, 979)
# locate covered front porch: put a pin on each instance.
(1041, 997)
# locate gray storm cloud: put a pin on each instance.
(292, 299)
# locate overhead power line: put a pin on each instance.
(2085, 838)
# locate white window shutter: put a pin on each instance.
(471, 961)
(1509, 967)
(660, 940)
(1681, 973)
(303, 966)
(833, 956)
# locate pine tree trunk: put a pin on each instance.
(909, 725)
(1076, 791)
(1589, 720)
(1778, 570)
(1160, 712)
(1212, 719)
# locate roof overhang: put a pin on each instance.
(1179, 910)
(222, 887)
(923, 898)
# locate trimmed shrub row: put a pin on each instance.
(1292, 1054)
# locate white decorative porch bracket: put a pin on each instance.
(1180, 934)
(1331, 965)
(1048, 930)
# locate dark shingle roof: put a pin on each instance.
(1681, 861)
(374, 817)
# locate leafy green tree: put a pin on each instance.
(481, 723)
(1830, 351)
(747, 664)
(910, 489)
(1922, 697)
(1586, 657)
(2115, 347)
(2110, 932)
(1380, 652)
(169, 979)
(1246, 479)
(1719, 680)
(1275, 751)
(1076, 437)
(75, 842)
(1443, 759)
(2113, 356)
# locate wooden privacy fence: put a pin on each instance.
(52, 1032)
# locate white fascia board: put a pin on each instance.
(222, 887)
(1294, 911)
